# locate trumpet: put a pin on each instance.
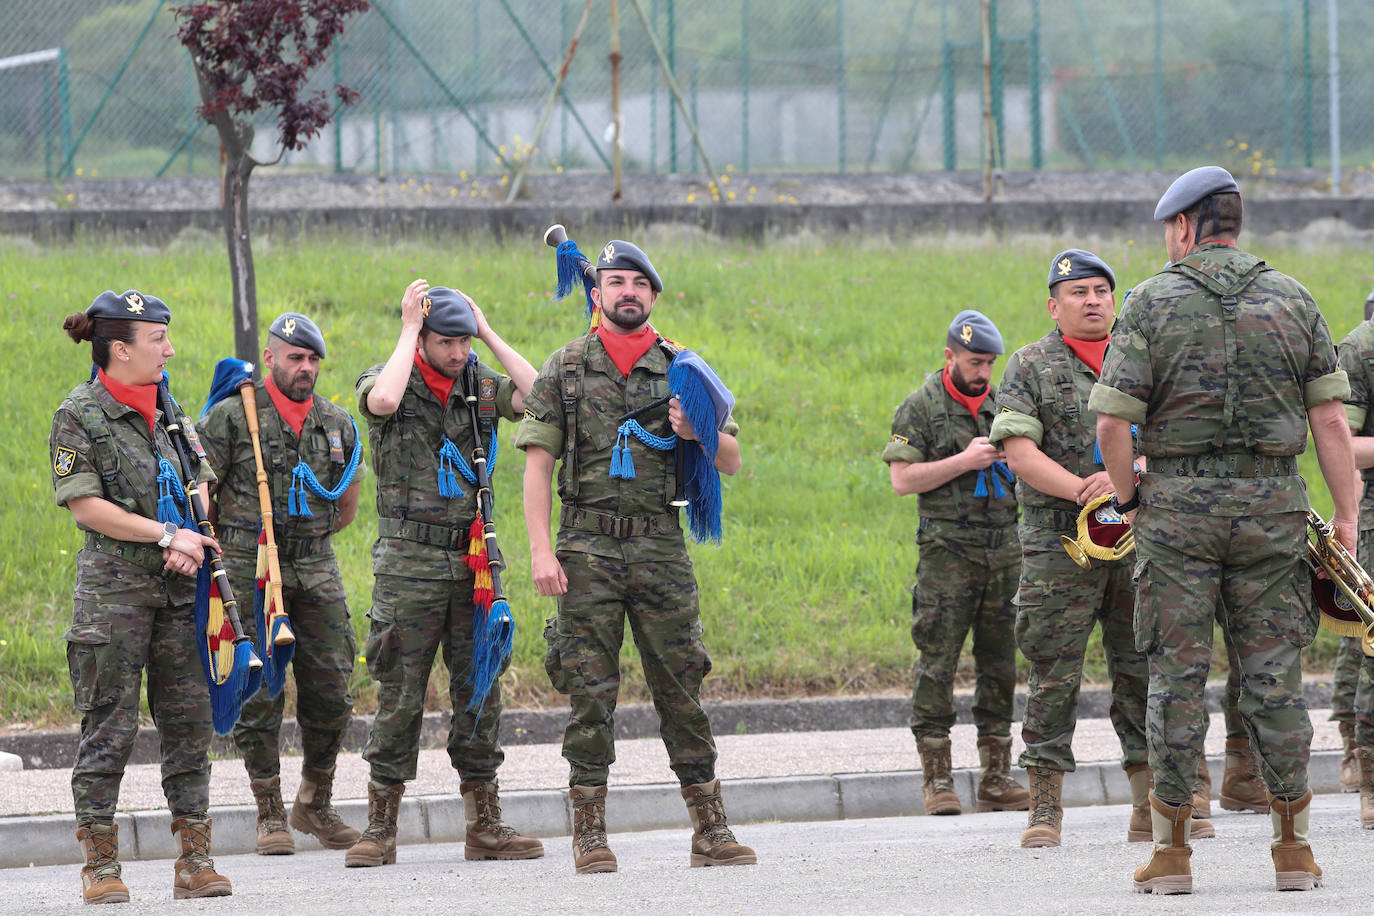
(1346, 596)
(1103, 533)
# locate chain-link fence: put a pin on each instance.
(101, 87)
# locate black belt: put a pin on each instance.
(433, 535)
(990, 535)
(1223, 464)
(619, 526)
(148, 556)
(288, 547)
(1044, 517)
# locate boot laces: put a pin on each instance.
(104, 861)
(589, 822)
(711, 817)
(381, 823)
(271, 811)
(196, 835)
(1043, 807)
(489, 814)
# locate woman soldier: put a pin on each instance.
(114, 468)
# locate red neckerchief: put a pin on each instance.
(440, 385)
(973, 402)
(142, 398)
(1090, 352)
(293, 412)
(626, 349)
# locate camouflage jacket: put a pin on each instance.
(405, 456)
(1044, 397)
(1221, 354)
(100, 447)
(930, 426)
(325, 445)
(602, 397)
(1356, 356)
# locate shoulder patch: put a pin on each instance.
(529, 414)
(902, 439)
(62, 461)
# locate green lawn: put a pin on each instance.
(819, 342)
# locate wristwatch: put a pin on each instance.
(169, 531)
(1129, 505)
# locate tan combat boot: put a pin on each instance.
(377, 844)
(194, 872)
(1046, 811)
(1168, 871)
(313, 811)
(937, 787)
(1294, 867)
(712, 841)
(273, 837)
(591, 854)
(1242, 789)
(997, 790)
(1140, 829)
(1199, 827)
(488, 836)
(100, 881)
(1365, 758)
(1350, 767)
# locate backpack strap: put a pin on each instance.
(574, 362)
(106, 455)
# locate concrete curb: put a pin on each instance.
(50, 839)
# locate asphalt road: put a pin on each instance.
(967, 864)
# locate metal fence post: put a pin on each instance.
(1159, 85)
(337, 119)
(946, 89)
(840, 86)
(1287, 84)
(996, 49)
(1307, 81)
(744, 88)
(672, 111)
(1033, 78)
(1334, 82)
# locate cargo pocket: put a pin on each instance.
(1032, 637)
(92, 664)
(560, 655)
(383, 649)
(1307, 615)
(1146, 619)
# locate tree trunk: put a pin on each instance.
(238, 168)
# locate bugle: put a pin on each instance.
(1103, 533)
(1345, 596)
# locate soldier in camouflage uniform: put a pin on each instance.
(295, 425)
(968, 563)
(1223, 362)
(1049, 436)
(620, 554)
(1356, 356)
(422, 595)
(135, 594)
(1345, 680)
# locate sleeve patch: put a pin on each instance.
(62, 461)
(902, 439)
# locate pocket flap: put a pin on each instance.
(96, 633)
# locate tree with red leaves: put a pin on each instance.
(251, 55)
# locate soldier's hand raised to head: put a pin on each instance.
(483, 329)
(412, 304)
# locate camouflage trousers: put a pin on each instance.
(1057, 605)
(1189, 565)
(322, 664)
(126, 619)
(410, 620)
(583, 661)
(965, 580)
(1363, 703)
(1345, 677)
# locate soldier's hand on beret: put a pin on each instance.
(483, 329)
(1093, 486)
(679, 422)
(412, 304)
(981, 453)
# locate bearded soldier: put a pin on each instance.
(968, 564)
(1223, 362)
(417, 411)
(300, 434)
(620, 554)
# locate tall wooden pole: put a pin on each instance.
(615, 97)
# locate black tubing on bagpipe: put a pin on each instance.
(484, 504)
(679, 454)
(174, 420)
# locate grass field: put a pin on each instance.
(820, 342)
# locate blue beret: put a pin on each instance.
(1075, 264)
(448, 314)
(299, 331)
(976, 332)
(618, 255)
(1191, 187)
(130, 305)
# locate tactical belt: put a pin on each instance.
(290, 548)
(1224, 464)
(990, 535)
(433, 535)
(1043, 517)
(619, 526)
(147, 556)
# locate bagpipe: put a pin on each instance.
(705, 400)
(276, 643)
(1103, 533)
(1345, 595)
(232, 669)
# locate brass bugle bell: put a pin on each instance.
(1103, 534)
(1347, 604)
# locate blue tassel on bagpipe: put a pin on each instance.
(450, 459)
(275, 659)
(493, 642)
(569, 259)
(172, 504)
(227, 699)
(1097, 450)
(996, 472)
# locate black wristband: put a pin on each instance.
(1129, 506)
